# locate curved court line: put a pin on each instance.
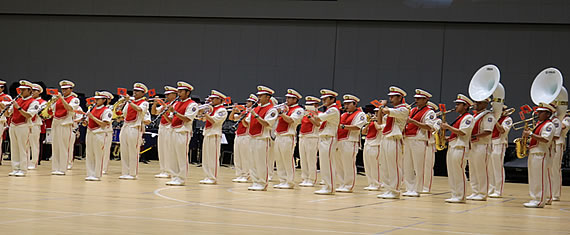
(158, 191)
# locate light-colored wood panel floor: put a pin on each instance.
(44, 204)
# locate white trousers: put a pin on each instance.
(308, 148)
(163, 142)
(259, 160)
(35, 145)
(538, 184)
(345, 161)
(242, 152)
(107, 151)
(428, 167)
(285, 147)
(555, 171)
(456, 161)
(94, 152)
(177, 157)
(414, 164)
(327, 146)
(391, 163)
(271, 158)
(2, 129)
(131, 140)
(372, 164)
(20, 146)
(496, 170)
(211, 156)
(63, 139)
(478, 160)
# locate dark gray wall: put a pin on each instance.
(496, 11)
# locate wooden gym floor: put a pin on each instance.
(45, 204)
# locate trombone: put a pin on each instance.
(525, 121)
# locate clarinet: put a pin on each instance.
(153, 122)
(9, 105)
(234, 127)
(82, 121)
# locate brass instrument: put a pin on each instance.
(204, 109)
(117, 107)
(522, 122)
(440, 140)
(44, 113)
(522, 143)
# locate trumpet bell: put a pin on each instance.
(484, 82)
(546, 86)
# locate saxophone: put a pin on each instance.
(44, 113)
(522, 143)
(440, 140)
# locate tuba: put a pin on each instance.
(485, 84)
(546, 88)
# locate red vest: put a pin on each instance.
(255, 128)
(456, 124)
(536, 131)
(306, 125)
(132, 113)
(496, 133)
(17, 117)
(390, 122)
(98, 113)
(180, 107)
(346, 119)
(60, 111)
(372, 131)
(208, 123)
(324, 124)
(282, 125)
(477, 127)
(416, 114)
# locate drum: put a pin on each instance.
(116, 134)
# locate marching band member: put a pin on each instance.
(108, 141)
(4, 99)
(416, 137)
(555, 172)
(23, 110)
(62, 127)
(329, 121)
(541, 138)
(500, 140)
(391, 154)
(164, 129)
(131, 133)
(242, 151)
(183, 114)
(285, 142)
(309, 143)
(99, 121)
(348, 137)
(213, 137)
(261, 120)
(430, 153)
(552, 150)
(480, 151)
(458, 148)
(77, 116)
(37, 126)
(371, 152)
(273, 152)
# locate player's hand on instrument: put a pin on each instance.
(445, 126)
(385, 110)
(527, 133)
